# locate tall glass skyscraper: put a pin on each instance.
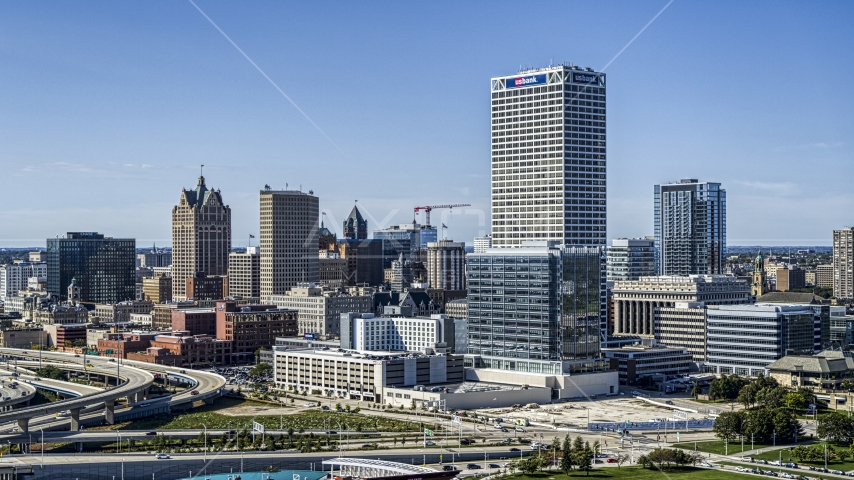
(690, 228)
(103, 267)
(548, 156)
(536, 308)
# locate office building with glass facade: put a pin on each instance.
(745, 339)
(533, 307)
(102, 266)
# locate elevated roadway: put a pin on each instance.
(135, 380)
(137, 377)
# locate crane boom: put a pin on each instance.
(428, 208)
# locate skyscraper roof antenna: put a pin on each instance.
(202, 171)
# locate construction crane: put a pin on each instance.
(427, 209)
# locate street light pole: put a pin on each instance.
(42, 431)
(206, 443)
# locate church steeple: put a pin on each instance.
(760, 284)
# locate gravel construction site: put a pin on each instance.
(575, 414)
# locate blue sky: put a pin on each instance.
(107, 109)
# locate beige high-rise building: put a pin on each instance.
(843, 263)
(244, 273)
(446, 265)
(824, 275)
(201, 236)
(289, 248)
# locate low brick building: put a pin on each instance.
(197, 321)
(251, 327)
(120, 344)
(185, 351)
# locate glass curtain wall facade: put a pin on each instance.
(103, 267)
(533, 308)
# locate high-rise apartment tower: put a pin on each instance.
(548, 156)
(289, 251)
(201, 236)
(843, 263)
(690, 228)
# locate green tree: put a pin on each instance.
(566, 455)
(621, 458)
(49, 371)
(696, 391)
(79, 343)
(261, 369)
(835, 427)
(771, 397)
(794, 401)
(582, 459)
(729, 425)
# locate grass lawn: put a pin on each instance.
(845, 466)
(637, 473)
(307, 420)
(719, 448)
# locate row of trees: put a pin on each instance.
(815, 453)
(666, 458)
(762, 392)
(762, 424)
(835, 427)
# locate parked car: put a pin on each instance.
(611, 460)
(162, 456)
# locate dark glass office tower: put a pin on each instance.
(535, 308)
(548, 156)
(103, 266)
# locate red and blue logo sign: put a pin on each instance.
(526, 81)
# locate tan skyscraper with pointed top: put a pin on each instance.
(201, 236)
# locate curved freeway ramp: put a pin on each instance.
(135, 380)
(206, 385)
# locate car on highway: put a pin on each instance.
(519, 429)
(669, 402)
(144, 405)
(430, 443)
(494, 465)
(162, 456)
(611, 460)
(332, 432)
(36, 379)
(465, 441)
(194, 392)
(6, 399)
(113, 360)
(152, 433)
(473, 466)
(325, 407)
(514, 449)
(504, 430)
(182, 371)
(505, 441)
(448, 468)
(310, 405)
